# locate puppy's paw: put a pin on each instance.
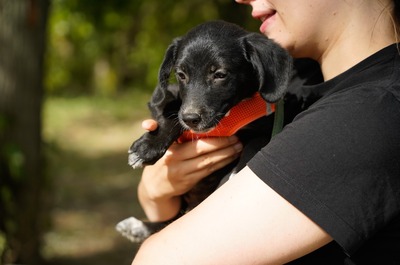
(136, 230)
(145, 151)
(134, 160)
(133, 229)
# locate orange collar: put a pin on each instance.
(239, 116)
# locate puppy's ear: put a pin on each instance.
(160, 93)
(272, 64)
(168, 63)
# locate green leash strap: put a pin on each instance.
(278, 118)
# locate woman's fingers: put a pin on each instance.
(149, 125)
(186, 164)
(204, 171)
(207, 163)
(190, 150)
(198, 159)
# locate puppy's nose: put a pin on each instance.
(191, 119)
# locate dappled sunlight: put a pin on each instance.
(93, 186)
(82, 76)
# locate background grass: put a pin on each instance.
(93, 188)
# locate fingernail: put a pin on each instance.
(233, 139)
(238, 147)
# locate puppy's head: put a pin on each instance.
(218, 64)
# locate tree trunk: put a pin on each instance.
(22, 182)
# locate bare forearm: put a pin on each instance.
(183, 165)
(273, 230)
(158, 209)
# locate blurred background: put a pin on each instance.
(75, 77)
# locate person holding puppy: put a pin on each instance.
(326, 190)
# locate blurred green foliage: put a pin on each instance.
(11, 164)
(104, 47)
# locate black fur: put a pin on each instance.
(217, 64)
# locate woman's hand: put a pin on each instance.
(182, 166)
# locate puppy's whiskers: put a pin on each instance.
(176, 122)
(219, 126)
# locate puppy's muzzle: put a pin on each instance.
(192, 120)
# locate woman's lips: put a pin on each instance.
(266, 18)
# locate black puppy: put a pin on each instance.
(217, 64)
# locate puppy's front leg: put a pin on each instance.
(151, 146)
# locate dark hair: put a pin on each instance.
(396, 12)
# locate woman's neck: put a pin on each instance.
(363, 35)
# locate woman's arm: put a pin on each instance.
(183, 165)
(243, 222)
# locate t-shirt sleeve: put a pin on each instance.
(339, 163)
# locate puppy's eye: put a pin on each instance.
(219, 75)
(181, 76)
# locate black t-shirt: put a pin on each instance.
(339, 162)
